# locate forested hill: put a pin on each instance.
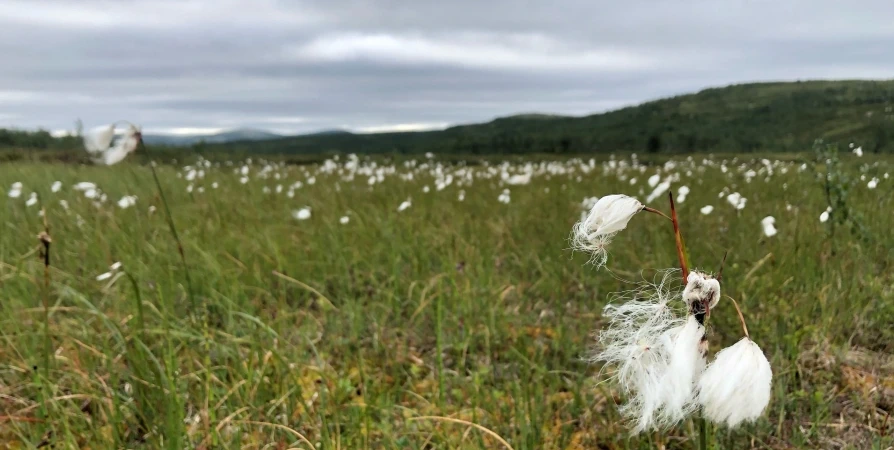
(785, 116)
(740, 118)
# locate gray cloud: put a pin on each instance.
(298, 66)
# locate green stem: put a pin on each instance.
(702, 434)
(161, 193)
(438, 348)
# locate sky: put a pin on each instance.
(199, 66)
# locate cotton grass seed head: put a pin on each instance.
(702, 292)
(609, 215)
(735, 387)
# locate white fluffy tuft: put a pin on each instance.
(608, 216)
(703, 288)
(685, 366)
(655, 355)
(736, 386)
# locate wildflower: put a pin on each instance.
(56, 187)
(659, 190)
(98, 142)
(707, 209)
(15, 191)
(769, 228)
(682, 193)
(736, 385)
(127, 201)
(405, 205)
(84, 186)
(504, 197)
(302, 214)
(113, 269)
(609, 215)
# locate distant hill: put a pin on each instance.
(238, 135)
(782, 116)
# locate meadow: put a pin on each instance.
(419, 304)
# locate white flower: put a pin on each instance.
(32, 200)
(84, 186)
(302, 214)
(707, 209)
(769, 228)
(682, 192)
(127, 201)
(824, 216)
(344, 220)
(736, 385)
(638, 342)
(872, 183)
(736, 200)
(56, 187)
(608, 216)
(504, 197)
(659, 190)
(858, 151)
(405, 205)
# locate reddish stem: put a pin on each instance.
(679, 239)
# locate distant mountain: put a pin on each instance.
(778, 116)
(238, 135)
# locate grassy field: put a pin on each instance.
(450, 324)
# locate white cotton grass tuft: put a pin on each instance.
(405, 205)
(127, 201)
(707, 209)
(56, 187)
(643, 341)
(736, 386)
(301, 214)
(685, 365)
(682, 192)
(113, 270)
(608, 216)
(768, 224)
(659, 191)
(344, 220)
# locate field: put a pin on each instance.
(452, 323)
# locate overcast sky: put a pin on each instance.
(372, 65)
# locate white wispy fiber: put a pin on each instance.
(707, 209)
(645, 338)
(736, 385)
(659, 191)
(84, 186)
(302, 214)
(127, 201)
(769, 227)
(98, 142)
(682, 193)
(609, 215)
(685, 366)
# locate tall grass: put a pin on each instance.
(449, 325)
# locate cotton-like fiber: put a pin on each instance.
(736, 386)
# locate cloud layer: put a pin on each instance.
(374, 65)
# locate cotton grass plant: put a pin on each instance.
(654, 345)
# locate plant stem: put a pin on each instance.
(702, 434)
(161, 193)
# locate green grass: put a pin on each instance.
(354, 336)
